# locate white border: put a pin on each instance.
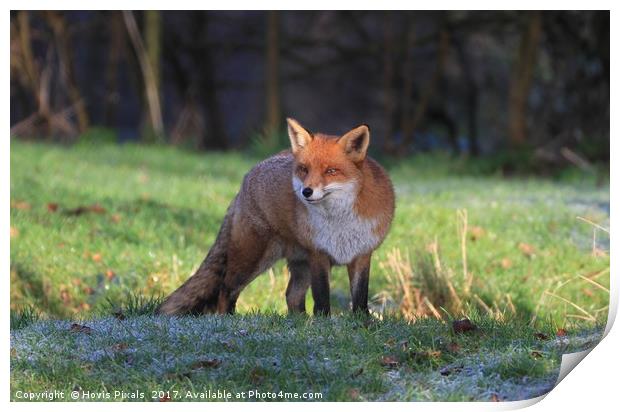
(592, 384)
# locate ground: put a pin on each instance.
(104, 230)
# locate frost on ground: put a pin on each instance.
(343, 358)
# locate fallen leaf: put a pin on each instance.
(120, 346)
(561, 332)
(80, 210)
(20, 205)
(506, 263)
(116, 218)
(76, 327)
(463, 325)
(97, 257)
(86, 366)
(495, 398)
(536, 354)
(357, 373)
(421, 356)
(354, 393)
(476, 232)
(52, 207)
(257, 375)
(206, 363)
(65, 296)
(97, 209)
(454, 347)
(118, 314)
(527, 249)
(14, 232)
(389, 361)
(77, 211)
(450, 369)
(13, 353)
(541, 336)
(588, 292)
(389, 343)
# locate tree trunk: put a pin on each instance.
(406, 121)
(215, 138)
(152, 39)
(522, 80)
(388, 82)
(116, 49)
(272, 77)
(411, 124)
(32, 73)
(148, 74)
(67, 69)
(471, 105)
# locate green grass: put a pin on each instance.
(270, 353)
(158, 212)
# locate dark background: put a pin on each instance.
(476, 83)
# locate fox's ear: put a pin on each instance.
(355, 143)
(299, 136)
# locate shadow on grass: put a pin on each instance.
(36, 290)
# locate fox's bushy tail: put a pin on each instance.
(199, 294)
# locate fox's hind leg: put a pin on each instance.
(251, 253)
(298, 285)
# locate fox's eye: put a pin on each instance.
(302, 169)
(331, 171)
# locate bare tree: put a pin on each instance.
(521, 81)
(116, 49)
(411, 123)
(406, 121)
(148, 74)
(272, 75)
(389, 95)
(471, 96)
(67, 71)
(38, 81)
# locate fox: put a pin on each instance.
(322, 203)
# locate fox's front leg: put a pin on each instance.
(320, 268)
(359, 273)
(298, 285)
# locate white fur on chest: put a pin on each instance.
(339, 232)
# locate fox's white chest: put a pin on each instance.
(339, 232)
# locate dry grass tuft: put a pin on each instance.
(429, 288)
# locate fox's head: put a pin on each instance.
(327, 166)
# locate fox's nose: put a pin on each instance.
(307, 192)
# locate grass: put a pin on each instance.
(271, 353)
(98, 230)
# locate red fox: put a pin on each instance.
(322, 203)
